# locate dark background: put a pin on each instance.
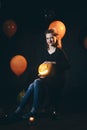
(32, 19)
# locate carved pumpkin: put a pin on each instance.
(9, 28)
(46, 69)
(20, 95)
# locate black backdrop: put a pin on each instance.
(32, 19)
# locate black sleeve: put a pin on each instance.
(62, 63)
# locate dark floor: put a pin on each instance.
(70, 121)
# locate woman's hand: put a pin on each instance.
(53, 62)
(41, 76)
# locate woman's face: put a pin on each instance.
(50, 39)
(85, 42)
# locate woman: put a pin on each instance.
(52, 54)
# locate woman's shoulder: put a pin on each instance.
(61, 51)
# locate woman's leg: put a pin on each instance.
(25, 98)
(36, 85)
(36, 92)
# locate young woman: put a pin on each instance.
(51, 54)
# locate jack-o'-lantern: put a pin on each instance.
(46, 69)
(9, 28)
(20, 95)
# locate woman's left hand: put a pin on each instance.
(53, 62)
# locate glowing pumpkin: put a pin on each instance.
(18, 64)
(9, 28)
(46, 69)
(59, 28)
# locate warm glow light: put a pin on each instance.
(46, 69)
(31, 119)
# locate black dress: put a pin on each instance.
(54, 84)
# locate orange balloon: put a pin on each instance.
(59, 28)
(18, 64)
(9, 28)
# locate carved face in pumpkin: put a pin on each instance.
(46, 69)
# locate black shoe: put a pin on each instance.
(26, 116)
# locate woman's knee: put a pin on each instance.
(37, 81)
(30, 86)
